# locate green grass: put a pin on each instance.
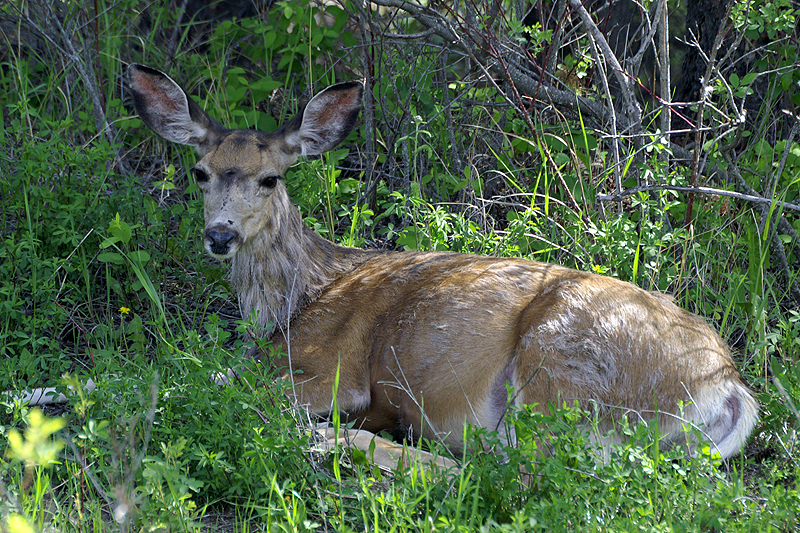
(102, 276)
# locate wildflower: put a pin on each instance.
(124, 310)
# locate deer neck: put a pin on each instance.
(284, 267)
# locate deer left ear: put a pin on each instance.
(166, 109)
(327, 119)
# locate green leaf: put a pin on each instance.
(111, 257)
(119, 230)
(140, 256)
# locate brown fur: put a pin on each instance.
(425, 342)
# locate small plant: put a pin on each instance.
(168, 488)
(34, 452)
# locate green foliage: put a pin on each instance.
(773, 18)
(436, 228)
(782, 391)
(57, 212)
(52, 207)
(168, 488)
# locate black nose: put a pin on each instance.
(219, 241)
(220, 238)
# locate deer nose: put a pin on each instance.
(221, 242)
(220, 238)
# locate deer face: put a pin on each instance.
(239, 172)
(239, 179)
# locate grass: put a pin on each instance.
(102, 276)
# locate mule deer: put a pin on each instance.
(426, 341)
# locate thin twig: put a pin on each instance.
(705, 84)
(699, 190)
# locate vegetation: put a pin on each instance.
(491, 131)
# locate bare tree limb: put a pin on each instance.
(705, 83)
(699, 190)
(526, 82)
(633, 113)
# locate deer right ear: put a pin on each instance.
(327, 120)
(166, 109)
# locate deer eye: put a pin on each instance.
(200, 175)
(268, 182)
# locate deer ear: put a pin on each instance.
(327, 119)
(166, 109)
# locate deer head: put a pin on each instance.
(240, 170)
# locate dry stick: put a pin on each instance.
(172, 45)
(664, 75)
(636, 60)
(739, 38)
(525, 81)
(100, 119)
(635, 63)
(448, 112)
(79, 459)
(767, 212)
(370, 192)
(555, 46)
(528, 84)
(633, 113)
(470, 14)
(514, 75)
(525, 115)
(427, 16)
(489, 50)
(661, 52)
(783, 225)
(750, 195)
(700, 190)
(404, 128)
(561, 99)
(614, 134)
(565, 100)
(662, 56)
(704, 96)
(784, 157)
(68, 50)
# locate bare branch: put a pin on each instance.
(700, 190)
(633, 112)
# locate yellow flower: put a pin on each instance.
(124, 310)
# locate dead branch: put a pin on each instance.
(699, 190)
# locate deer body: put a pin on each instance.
(424, 342)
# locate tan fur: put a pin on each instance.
(425, 342)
